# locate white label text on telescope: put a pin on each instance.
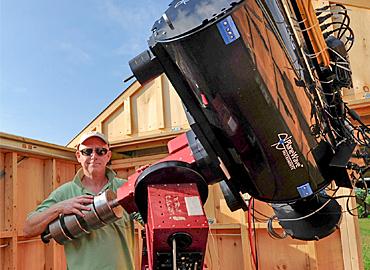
(285, 145)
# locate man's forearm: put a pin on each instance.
(37, 223)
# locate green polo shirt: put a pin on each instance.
(110, 247)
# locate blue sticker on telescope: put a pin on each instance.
(228, 30)
(305, 190)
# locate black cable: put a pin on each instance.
(338, 197)
(361, 130)
(260, 219)
(352, 39)
(346, 17)
(272, 232)
(324, 18)
(327, 33)
(345, 21)
(320, 10)
(350, 210)
(349, 197)
(364, 140)
(262, 214)
(255, 237)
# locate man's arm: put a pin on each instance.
(37, 223)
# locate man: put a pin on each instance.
(109, 247)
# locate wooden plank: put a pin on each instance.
(143, 142)
(31, 179)
(222, 246)
(246, 250)
(4, 253)
(124, 173)
(143, 160)
(312, 255)
(138, 245)
(127, 126)
(358, 245)
(363, 110)
(175, 113)
(329, 252)
(223, 214)
(64, 172)
(49, 176)
(11, 178)
(99, 127)
(353, 3)
(149, 99)
(10, 192)
(6, 234)
(113, 126)
(209, 206)
(160, 122)
(31, 254)
(231, 226)
(30, 146)
(49, 185)
(348, 235)
(359, 56)
(12, 256)
(2, 192)
(282, 254)
(211, 260)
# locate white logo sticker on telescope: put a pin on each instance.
(181, 2)
(285, 145)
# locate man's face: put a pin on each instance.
(93, 155)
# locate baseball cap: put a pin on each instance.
(90, 134)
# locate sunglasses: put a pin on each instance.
(100, 151)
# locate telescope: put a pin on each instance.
(261, 85)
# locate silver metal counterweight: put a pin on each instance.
(103, 210)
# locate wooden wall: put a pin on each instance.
(29, 171)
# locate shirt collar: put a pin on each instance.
(109, 173)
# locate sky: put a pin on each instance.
(63, 62)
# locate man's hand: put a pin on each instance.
(75, 205)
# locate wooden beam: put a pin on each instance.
(248, 264)
(26, 145)
(348, 234)
(127, 119)
(160, 105)
(143, 142)
(11, 207)
(363, 110)
(354, 3)
(10, 191)
(130, 162)
(6, 234)
(99, 127)
(311, 255)
(358, 237)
